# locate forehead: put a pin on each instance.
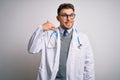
(66, 11)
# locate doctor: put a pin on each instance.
(66, 52)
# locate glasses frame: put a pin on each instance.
(66, 16)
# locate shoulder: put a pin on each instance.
(79, 33)
(83, 36)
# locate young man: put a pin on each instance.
(66, 52)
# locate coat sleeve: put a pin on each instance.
(35, 42)
(89, 62)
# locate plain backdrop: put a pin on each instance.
(99, 19)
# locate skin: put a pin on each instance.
(48, 26)
(64, 23)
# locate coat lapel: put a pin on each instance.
(57, 56)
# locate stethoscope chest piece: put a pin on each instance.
(79, 46)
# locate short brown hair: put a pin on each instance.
(65, 6)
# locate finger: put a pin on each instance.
(47, 21)
(53, 28)
(50, 23)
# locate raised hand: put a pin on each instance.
(48, 26)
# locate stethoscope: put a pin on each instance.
(78, 38)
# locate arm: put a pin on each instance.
(36, 41)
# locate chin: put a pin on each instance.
(68, 27)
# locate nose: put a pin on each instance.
(68, 17)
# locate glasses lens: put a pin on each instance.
(65, 16)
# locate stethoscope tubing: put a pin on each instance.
(78, 38)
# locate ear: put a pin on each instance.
(57, 17)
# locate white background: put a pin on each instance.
(99, 19)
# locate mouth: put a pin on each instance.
(68, 23)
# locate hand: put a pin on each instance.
(48, 26)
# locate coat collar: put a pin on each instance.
(62, 30)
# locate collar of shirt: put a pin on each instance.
(62, 30)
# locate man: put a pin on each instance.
(66, 53)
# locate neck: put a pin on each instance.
(65, 28)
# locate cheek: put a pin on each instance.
(61, 21)
(72, 20)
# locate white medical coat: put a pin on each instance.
(80, 63)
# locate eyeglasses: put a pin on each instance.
(66, 16)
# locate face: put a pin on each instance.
(66, 18)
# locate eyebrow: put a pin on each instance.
(66, 13)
